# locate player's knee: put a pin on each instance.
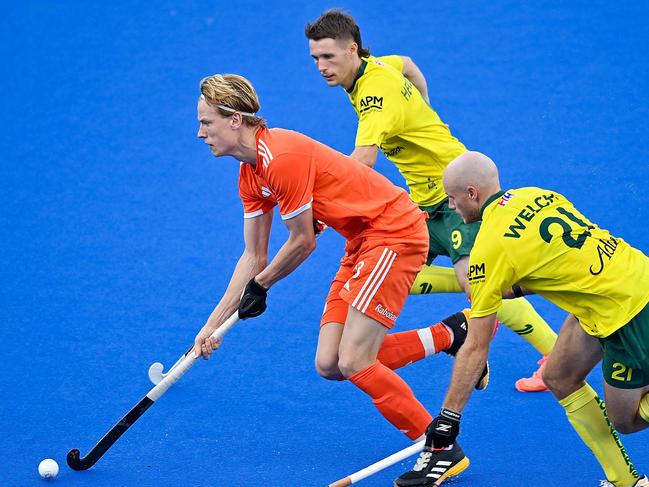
(351, 364)
(624, 425)
(328, 369)
(554, 380)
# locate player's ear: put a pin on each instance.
(236, 120)
(353, 48)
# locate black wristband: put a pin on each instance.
(450, 414)
(518, 292)
(253, 300)
(256, 288)
(443, 430)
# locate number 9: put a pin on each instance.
(456, 238)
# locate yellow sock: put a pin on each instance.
(436, 279)
(587, 414)
(644, 408)
(519, 316)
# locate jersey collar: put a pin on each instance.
(360, 72)
(490, 200)
(258, 134)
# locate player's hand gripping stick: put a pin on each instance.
(74, 459)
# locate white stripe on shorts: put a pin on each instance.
(374, 281)
(385, 250)
(379, 279)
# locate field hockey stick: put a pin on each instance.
(380, 465)
(74, 459)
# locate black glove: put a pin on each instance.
(444, 429)
(253, 300)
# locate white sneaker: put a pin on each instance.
(643, 482)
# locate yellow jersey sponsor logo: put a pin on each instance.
(476, 273)
(371, 103)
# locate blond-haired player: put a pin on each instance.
(386, 234)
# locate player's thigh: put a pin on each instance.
(326, 357)
(622, 406)
(573, 357)
(361, 339)
(626, 370)
(331, 323)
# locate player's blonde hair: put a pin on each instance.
(230, 93)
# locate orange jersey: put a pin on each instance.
(298, 173)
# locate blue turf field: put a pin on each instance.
(120, 230)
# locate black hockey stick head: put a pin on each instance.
(75, 461)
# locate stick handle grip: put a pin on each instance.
(188, 360)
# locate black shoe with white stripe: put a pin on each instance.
(434, 466)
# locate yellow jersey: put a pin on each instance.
(393, 115)
(537, 239)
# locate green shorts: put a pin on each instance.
(448, 233)
(626, 353)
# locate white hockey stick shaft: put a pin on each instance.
(380, 465)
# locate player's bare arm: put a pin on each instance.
(412, 72)
(470, 362)
(253, 260)
(366, 154)
(300, 244)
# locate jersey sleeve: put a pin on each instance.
(393, 60)
(490, 273)
(379, 107)
(254, 204)
(292, 178)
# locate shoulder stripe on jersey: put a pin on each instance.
(295, 213)
(375, 280)
(264, 157)
(263, 144)
(253, 214)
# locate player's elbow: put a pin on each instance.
(305, 245)
(368, 157)
(407, 63)
(257, 261)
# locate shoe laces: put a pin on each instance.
(605, 483)
(422, 461)
(537, 373)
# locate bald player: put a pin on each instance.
(534, 240)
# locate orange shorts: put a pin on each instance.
(375, 276)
